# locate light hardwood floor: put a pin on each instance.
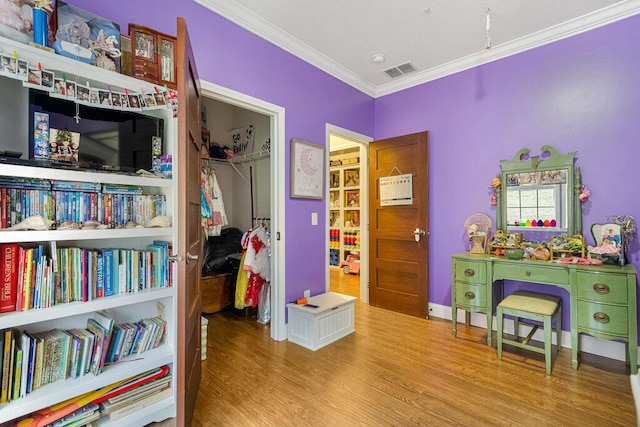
(348, 284)
(397, 370)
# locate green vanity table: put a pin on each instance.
(602, 298)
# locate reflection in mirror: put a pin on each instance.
(538, 195)
(537, 199)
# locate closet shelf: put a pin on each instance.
(256, 155)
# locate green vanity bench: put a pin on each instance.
(602, 298)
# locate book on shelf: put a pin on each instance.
(128, 407)
(76, 186)
(121, 189)
(18, 356)
(102, 326)
(9, 254)
(7, 364)
(25, 345)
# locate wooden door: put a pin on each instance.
(189, 246)
(398, 264)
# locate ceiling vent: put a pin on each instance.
(400, 70)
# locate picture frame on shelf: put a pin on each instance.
(351, 178)
(352, 199)
(307, 170)
(609, 243)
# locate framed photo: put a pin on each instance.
(8, 65)
(134, 102)
(351, 178)
(47, 80)
(307, 170)
(23, 68)
(609, 243)
(352, 199)
(83, 94)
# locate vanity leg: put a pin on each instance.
(574, 349)
(632, 351)
(467, 318)
(454, 319)
(489, 327)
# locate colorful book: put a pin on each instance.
(7, 359)
(107, 271)
(75, 185)
(17, 366)
(9, 263)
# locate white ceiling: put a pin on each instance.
(439, 37)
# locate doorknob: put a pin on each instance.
(191, 257)
(418, 234)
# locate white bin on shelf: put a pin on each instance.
(314, 328)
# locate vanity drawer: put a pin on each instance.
(468, 295)
(471, 271)
(531, 273)
(607, 288)
(610, 319)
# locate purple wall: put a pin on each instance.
(236, 59)
(579, 94)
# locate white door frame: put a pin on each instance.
(363, 141)
(277, 197)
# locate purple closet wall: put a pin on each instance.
(234, 58)
(579, 94)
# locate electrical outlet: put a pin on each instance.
(307, 293)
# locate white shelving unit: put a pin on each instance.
(344, 207)
(122, 307)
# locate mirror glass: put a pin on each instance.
(538, 194)
(539, 197)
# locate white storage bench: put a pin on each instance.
(314, 328)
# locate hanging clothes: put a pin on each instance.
(213, 213)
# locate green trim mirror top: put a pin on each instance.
(539, 193)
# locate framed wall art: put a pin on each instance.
(307, 170)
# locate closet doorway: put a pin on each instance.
(250, 180)
(347, 213)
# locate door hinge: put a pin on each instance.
(277, 235)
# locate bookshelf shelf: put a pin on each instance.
(344, 205)
(77, 235)
(75, 309)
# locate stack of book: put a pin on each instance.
(76, 202)
(30, 361)
(43, 276)
(111, 402)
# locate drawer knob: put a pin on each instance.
(601, 288)
(469, 295)
(601, 317)
(528, 273)
(469, 272)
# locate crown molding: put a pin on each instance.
(558, 32)
(251, 22)
(255, 24)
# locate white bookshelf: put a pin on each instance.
(128, 307)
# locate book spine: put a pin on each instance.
(9, 254)
(107, 262)
(99, 273)
(6, 363)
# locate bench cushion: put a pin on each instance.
(531, 302)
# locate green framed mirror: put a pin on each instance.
(539, 194)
